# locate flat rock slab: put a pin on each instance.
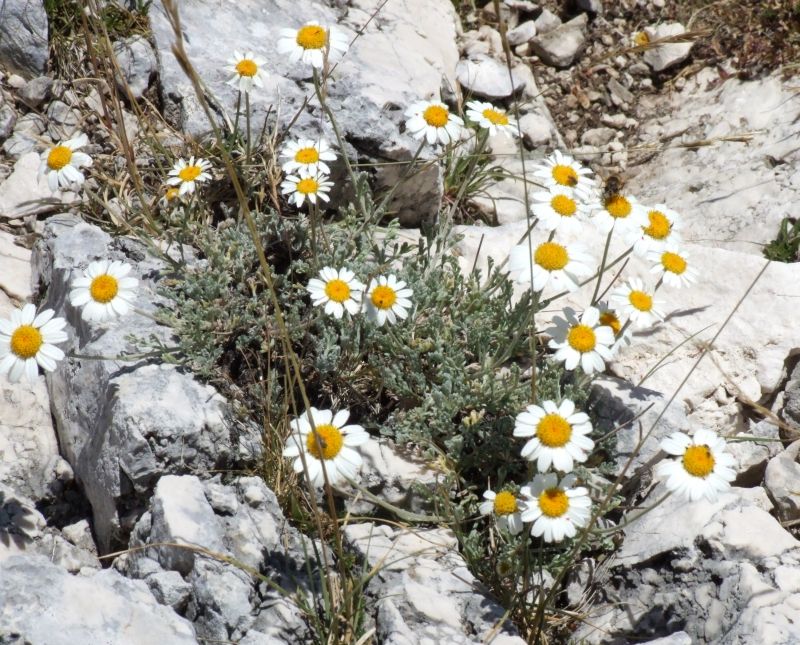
(23, 37)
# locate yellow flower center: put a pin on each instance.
(325, 443)
(59, 157)
(495, 116)
(383, 297)
(641, 38)
(563, 205)
(641, 300)
(554, 431)
(171, 193)
(246, 67)
(618, 206)
(436, 116)
(553, 502)
(609, 319)
(26, 341)
(307, 155)
(505, 503)
(190, 173)
(673, 262)
(551, 256)
(104, 288)
(312, 37)
(307, 186)
(337, 290)
(565, 175)
(698, 461)
(660, 226)
(581, 338)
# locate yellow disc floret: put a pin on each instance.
(59, 157)
(190, 173)
(307, 155)
(383, 297)
(312, 37)
(553, 431)
(495, 116)
(325, 443)
(337, 290)
(659, 227)
(618, 206)
(565, 175)
(581, 338)
(551, 256)
(505, 503)
(246, 67)
(307, 186)
(563, 205)
(698, 461)
(26, 341)
(641, 300)
(673, 262)
(553, 502)
(104, 288)
(436, 116)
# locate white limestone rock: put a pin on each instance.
(23, 37)
(137, 63)
(488, 78)
(22, 193)
(666, 55)
(560, 46)
(782, 481)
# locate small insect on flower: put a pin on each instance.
(704, 468)
(307, 155)
(672, 266)
(328, 444)
(306, 186)
(169, 198)
(104, 291)
(506, 508)
(563, 171)
(185, 175)
(28, 341)
(312, 43)
(493, 119)
(388, 299)
(337, 291)
(559, 210)
(583, 342)
(556, 509)
(433, 121)
(617, 211)
(661, 226)
(247, 71)
(552, 263)
(610, 317)
(559, 435)
(636, 302)
(61, 163)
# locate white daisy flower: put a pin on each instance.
(506, 508)
(672, 266)
(609, 317)
(559, 209)
(388, 299)
(661, 226)
(28, 340)
(619, 212)
(186, 175)
(552, 263)
(637, 303)
(329, 445)
(168, 199)
(583, 342)
(312, 43)
(563, 171)
(704, 468)
(247, 71)
(62, 162)
(104, 291)
(337, 290)
(307, 155)
(487, 116)
(556, 509)
(558, 435)
(433, 121)
(306, 186)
